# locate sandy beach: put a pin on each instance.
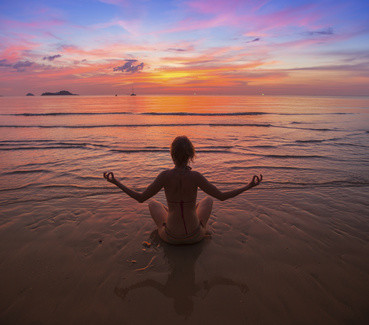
(293, 258)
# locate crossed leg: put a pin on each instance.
(159, 212)
(203, 210)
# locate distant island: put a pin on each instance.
(30, 94)
(60, 93)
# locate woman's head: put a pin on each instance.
(182, 150)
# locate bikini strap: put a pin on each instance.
(181, 203)
(184, 223)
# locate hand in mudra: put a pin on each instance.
(109, 176)
(256, 180)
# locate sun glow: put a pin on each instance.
(216, 46)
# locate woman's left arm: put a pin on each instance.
(150, 191)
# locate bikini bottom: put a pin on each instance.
(194, 237)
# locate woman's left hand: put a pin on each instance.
(256, 180)
(109, 176)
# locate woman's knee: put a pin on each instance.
(208, 201)
(153, 204)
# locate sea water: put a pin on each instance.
(53, 148)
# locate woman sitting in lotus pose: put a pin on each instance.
(183, 221)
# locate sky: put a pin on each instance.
(210, 47)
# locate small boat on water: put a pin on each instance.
(132, 93)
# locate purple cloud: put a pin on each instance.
(52, 57)
(130, 66)
(327, 31)
(176, 49)
(257, 39)
(21, 65)
(4, 63)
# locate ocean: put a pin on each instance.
(56, 147)
(61, 219)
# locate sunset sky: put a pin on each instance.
(180, 47)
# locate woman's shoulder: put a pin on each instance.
(173, 171)
(194, 174)
(165, 172)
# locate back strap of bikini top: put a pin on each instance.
(181, 204)
(184, 222)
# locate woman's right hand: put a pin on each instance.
(109, 176)
(256, 180)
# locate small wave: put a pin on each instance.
(294, 185)
(335, 143)
(212, 150)
(57, 197)
(279, 156)
(69, 186)
(310, 141)
(52, 144)
(236, 113)
(171, 114)
(268, 167)
(213, 147)
(18, 141)
(317, 129)
(209, 150)
(16, 188)
(41, 142)
(240, 124)
(310, 129)
(31, 171)
(133, 125)
(203, 114)
(45, 148)
(313, 114)
(350, 145)
(336, 183)
(66, 113)
(294, 156)
(139, 150)
(263, 146)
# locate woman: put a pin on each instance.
(183, 221)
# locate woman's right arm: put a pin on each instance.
(212, 190)
(150, 191)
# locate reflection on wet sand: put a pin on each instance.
(181, 283)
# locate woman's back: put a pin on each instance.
(180, 185)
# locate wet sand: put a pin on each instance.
(271, 257)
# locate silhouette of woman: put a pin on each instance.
(183, 221)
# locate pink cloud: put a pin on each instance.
(116, 2)
(246, 16)
(303, 16)
(222, 6)
(190, 24)
(8, 24)
(17, 52)
(131, 26)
